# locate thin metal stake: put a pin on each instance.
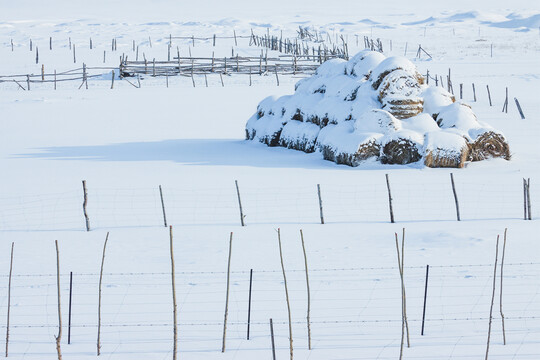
(425, 298)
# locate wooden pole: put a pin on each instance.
(162, 206)
(308, 291)
(70, 298)
(242, 216)
(455, 196)
(273, 342)
(99, 296)
(489, 95)
(286, 295)
(390, 199)
(59, 336)
(9, 298)
(519, 109)
(402, 305)
(403, 283)
(461, 91)
(524, 199)
(492, 296)
(112, 80)
(474, 92)
(249, 301)
(74, 55)
(85, 202)
(320, 203)
(227, 296)
(175, 324)
(425, 300)
(501, 288)
(529, 199)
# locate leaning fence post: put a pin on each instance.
(519, 109)
(455, 196)
(242, 216)
(320, 203)
(425, 298)
(390, 199)
(162, 206)
(112, 80)
(85, 202)
(492, 296)
(489, 95)
(272, 337)
(308, 291)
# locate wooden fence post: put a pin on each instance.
(59, 336)
(320, 203)
(98, 345)
(85, 202)
(390, 199)
(242, 216)
(175, 325)
(455, 196)
(162, 206)
(286, 296)
(489, 95)
(492, 296)
(9, 298)
(308, 291)
(501, 289)
(227, 296)
(519, 109)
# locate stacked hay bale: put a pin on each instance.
(373, 107)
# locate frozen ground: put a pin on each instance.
(125, 142)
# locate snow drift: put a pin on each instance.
(375, 107)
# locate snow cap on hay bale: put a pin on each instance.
(361, 64)
(267, 128)
(341, 144)
(421, 123)
(435, 98)
(376, 120)
(401, 147)
(331, 67)
(445, 149)
(487, 144)
(299, 136)
(392, 64)
(457, 115)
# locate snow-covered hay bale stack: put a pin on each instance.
(373, 107)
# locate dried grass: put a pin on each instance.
(489, 145)
(400, 151)
(442, 158)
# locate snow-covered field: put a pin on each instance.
(127, 141)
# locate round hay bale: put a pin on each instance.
(392, 64)
(402, 147)
(489, 144)
(398, 94)
(435, 98)
(457, 115)
(376, 120)
(445, 149)
(361, 64)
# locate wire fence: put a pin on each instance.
(365, 202)
(352, 310)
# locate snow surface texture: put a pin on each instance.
(373, 106)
